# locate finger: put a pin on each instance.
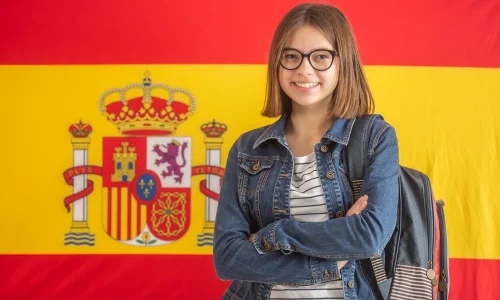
(361, 203)
(358, 206)
(355, 210)
(364, 197)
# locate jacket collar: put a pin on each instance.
(339, 132)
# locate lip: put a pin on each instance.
(305, 88)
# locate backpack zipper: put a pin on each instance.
(430, 234)
(443, 281)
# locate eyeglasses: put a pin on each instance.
(320, 59)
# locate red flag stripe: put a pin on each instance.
(390, 32)
(174, 276)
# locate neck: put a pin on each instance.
(310, 122)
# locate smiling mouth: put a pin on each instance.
(307, 85)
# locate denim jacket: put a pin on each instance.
(255, 198)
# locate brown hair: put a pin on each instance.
(352, 96)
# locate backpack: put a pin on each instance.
(416, 256)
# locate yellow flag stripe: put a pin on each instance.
(143, 216)
(114, 212)
(124, 214)
(104, 208)
(445, 119)
(134, 216)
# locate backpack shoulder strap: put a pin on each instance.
(356, 159)
(356, 154)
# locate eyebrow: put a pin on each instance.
(316, 49)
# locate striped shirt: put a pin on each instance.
(308, 204)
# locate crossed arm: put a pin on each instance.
(240, 254)
(356, 209)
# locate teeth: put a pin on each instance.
(306, 85)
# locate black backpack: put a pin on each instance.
(416, 256)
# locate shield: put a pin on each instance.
(146, 189)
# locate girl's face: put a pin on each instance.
(305, 85)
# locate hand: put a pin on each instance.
(341, 264)
(358, 206)
(250, 238)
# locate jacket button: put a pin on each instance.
(330, 175)
(339, 214)
(327, 275)
(256, 166)
(324, 148)
(350, 284)
(267, 246)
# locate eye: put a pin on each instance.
(291, 56)
(322, 57)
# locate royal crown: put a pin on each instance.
(213, 129)
(147, 113)
(80, 130)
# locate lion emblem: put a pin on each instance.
(169, 157)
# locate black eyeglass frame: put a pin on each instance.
(302, 55)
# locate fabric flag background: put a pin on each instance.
(434, 67)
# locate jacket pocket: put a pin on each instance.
(254, 174)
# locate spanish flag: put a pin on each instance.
(119, 116)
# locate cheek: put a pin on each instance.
(330, 78)
(282, 79)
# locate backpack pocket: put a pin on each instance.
(414, 275)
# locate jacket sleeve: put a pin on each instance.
(234, 255)
(353, 237)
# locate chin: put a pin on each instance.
(306, 101)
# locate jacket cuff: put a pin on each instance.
(265, 239)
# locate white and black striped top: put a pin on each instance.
(308, 204)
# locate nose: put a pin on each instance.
(305, 67)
